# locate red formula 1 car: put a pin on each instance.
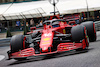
(56, 36)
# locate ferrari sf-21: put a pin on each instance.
(56, 36)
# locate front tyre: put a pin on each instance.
(78, 33)
(17, 43)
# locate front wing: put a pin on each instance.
(62, 47)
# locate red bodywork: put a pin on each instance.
(47, 40)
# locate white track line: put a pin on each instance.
(2, 57)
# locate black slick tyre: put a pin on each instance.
(16, 43)
(91, 32)
(78, 33)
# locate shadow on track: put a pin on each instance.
(97, 40)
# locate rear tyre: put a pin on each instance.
(17, 43)
(91, 32)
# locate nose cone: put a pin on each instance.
(46, 40)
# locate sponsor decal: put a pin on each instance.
(45, 42)
(46, 39)
(44, 48)
(71, 47)
(18, 54)
(65, 47)
(47, 34)
(64, 31)
(62, 22)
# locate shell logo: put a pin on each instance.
(46, 39)
(46, 43)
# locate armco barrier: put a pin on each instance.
(97, 25)
(5, 42)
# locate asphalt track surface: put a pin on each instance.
(89, 58)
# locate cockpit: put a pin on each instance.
(53, 23)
